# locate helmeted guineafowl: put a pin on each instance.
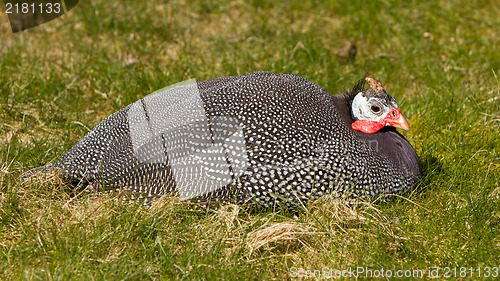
(262, 138)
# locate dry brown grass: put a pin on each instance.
(286, 235)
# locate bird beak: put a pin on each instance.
(396, 119)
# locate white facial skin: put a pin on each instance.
(372, 109)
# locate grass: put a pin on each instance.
(439, 59)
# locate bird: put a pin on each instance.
(262, 139)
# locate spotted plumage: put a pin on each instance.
(261, 138)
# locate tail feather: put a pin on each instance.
(36, 171)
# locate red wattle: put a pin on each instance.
(368, 127)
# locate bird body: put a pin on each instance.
(263, 138)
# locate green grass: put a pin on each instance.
(439, 59)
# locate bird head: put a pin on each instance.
(374, 109)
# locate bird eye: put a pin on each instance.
(375, 109)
